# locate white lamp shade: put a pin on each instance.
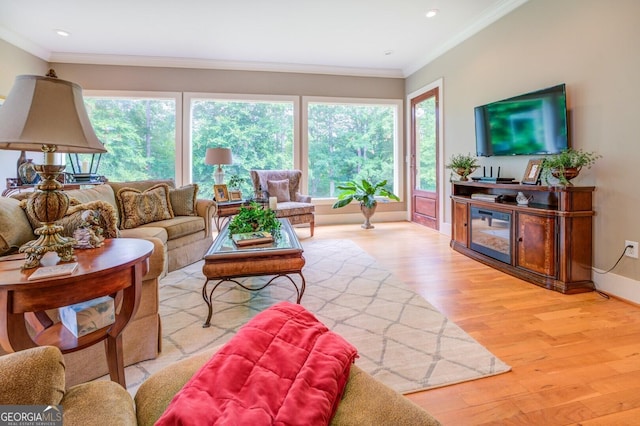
(46, 111)
(218, 156)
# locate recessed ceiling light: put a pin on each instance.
(63, 33)
(432, 13)
(388, 52)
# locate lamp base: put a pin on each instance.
(49, 240)
(48, 204)
(218, 176)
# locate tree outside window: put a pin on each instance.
(139, 135)
(350, 141)
(259, 133)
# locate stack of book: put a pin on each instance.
(485, 197)
(252, 238)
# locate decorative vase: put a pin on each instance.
(463, 173)
(368, 212)
(21, 160)
(27, 173)
(566, 174)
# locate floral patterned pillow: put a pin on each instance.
(141, 207)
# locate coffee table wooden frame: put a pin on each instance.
(224, 262)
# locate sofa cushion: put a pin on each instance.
(279, 189)
(292, 209)
(142, 207)
(183, 200)
(95, 193)
(15, 229)
(179, 226)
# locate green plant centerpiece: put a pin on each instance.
(255, 217)
(365, 193)
(463, 165)
(567, 164)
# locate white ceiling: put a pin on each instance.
(356, 37)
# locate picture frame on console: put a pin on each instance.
(532, 173)
(221, 193)
(235, 195)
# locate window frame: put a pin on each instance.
(398, 145)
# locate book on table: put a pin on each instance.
(53, 271)
(252, 238)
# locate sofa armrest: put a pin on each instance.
(32, 376)
(98, 402)
(206, 209)
(302, 198)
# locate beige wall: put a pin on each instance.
(15, 62)
(592, 48)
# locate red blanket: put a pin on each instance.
(283, 367)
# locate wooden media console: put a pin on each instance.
(547, 242)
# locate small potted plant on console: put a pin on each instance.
(567, 165)
(463, 165)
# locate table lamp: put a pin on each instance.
(218, 156)
(47, 114)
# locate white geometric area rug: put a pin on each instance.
(401, 339)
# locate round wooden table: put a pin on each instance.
(115, 269)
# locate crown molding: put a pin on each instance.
(487, 19)
(24, 44)
(166, 62)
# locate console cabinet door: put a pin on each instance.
(460, 222)
(536, 242)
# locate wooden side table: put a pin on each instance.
(115, 269)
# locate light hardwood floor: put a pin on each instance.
(575, 358)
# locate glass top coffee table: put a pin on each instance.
(226, 262)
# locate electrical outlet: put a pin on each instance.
(631, 251)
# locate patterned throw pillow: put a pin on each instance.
(140, 207)
(183, 200)
(279, 189)
(105, 213)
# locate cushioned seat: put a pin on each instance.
(179, 226)
(285, 186)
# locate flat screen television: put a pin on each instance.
(531, 124)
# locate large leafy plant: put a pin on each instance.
(364, 192)
(254, 217)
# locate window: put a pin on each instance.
(260, 133)
(139, 135)
(352, 139)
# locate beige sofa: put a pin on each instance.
(178, 242)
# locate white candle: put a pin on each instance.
(273, 203)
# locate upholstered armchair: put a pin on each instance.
(36, 376)
(285, 186)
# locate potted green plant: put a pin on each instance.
(254, 217)
(463, 165)
(567, 164)
(365, 193)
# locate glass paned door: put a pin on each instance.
(424, 159)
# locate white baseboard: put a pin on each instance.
(346, 218)
(618, 286)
